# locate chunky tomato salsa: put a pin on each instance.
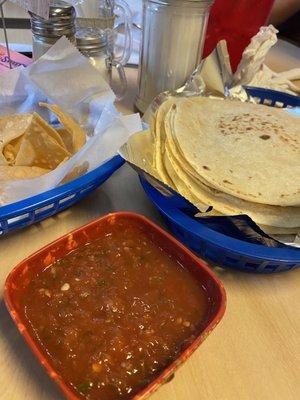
(113, 313)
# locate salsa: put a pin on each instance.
(112, 314)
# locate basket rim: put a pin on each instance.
(223, 242)
(42, 199)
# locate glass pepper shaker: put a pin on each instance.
(94, 44)
(61, 22)
(172, 43)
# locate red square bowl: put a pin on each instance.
(27, 270)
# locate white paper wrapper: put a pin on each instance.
(252, 70)
(214, 76)
(65, 77)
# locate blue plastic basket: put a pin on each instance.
(273, 97)
(34, 209)
(216, 247)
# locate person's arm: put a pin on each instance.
(283, 10)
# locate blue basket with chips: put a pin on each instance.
(34, 209)
(216, 247)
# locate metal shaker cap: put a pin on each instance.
(204, 3)
(61, 21)
(91, 40)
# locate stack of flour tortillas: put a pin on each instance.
(234, 157)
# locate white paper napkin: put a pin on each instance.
(252, 70)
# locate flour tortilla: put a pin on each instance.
(287, 217)
(178, 184)
(171, 141)
(183, 189)
(249, 151)
(159, 135)
(200, 193)
(270, 230)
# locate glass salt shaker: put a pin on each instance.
(172, 44)
(93, 43)
(61, 22)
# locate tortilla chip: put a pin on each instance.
(49, 129)
(40, 149)
(78, 134)
(76, 172)
(30, 147)
(11, 150)
(8, 173)
(67, 138)
(12, 127)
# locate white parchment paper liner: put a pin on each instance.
(65, 77)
